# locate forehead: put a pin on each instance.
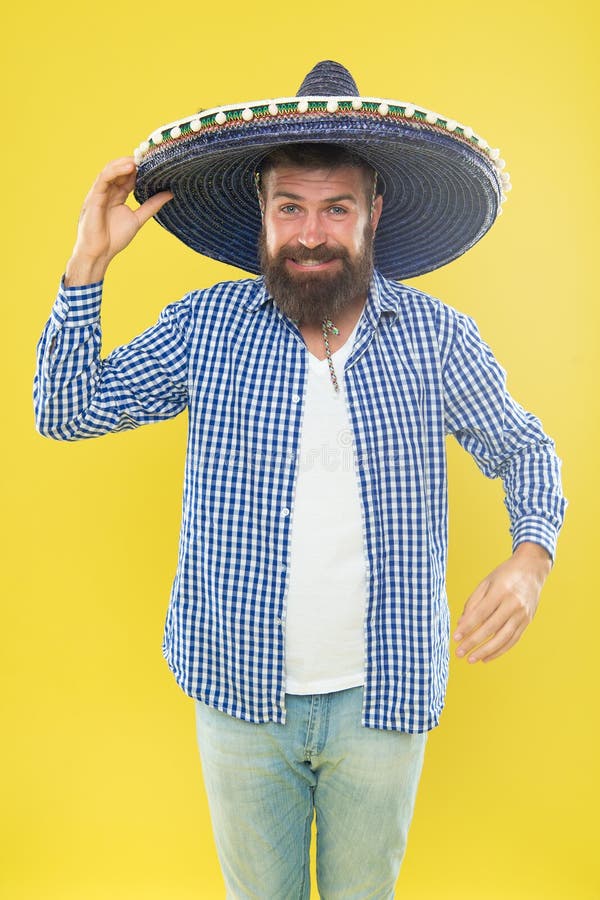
(316, 183)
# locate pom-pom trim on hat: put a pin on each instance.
(237, 115)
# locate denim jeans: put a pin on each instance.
(265, 782)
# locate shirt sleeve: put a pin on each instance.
(79, 395)
(505, 440)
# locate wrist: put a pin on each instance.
(81, 271)
(534, 554)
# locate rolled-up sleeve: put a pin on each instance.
(77, 394)
(504, 439)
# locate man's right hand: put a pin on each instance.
(106, 224)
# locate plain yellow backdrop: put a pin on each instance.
(102, 796)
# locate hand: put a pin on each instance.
(107, 224)
(500, 608)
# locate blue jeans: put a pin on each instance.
(264, 782)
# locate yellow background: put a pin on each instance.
(102, 796)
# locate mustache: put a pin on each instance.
(299, 253)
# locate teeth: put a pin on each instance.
(311, 262)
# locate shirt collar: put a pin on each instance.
(256, 297)
(382, 299)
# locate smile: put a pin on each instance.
(314, 264)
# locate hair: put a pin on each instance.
(320, 156)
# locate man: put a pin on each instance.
(308, 617)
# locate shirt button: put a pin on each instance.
(296, 398)
(285, 512)
(278, 621)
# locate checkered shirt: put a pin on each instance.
(418, 371)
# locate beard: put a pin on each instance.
(312, 297)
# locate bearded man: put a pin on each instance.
(308, 617)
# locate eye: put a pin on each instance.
(289, 208)
(337, 210)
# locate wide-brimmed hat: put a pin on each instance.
(443, 185)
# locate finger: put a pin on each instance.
(480, 635)
(499, 644)
(116, 167)
(501, 610)
(152, 206)
(516, 637)
(119, 173)
(480, 605)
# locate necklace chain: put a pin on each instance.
(328, 328)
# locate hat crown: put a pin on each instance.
(328, 79)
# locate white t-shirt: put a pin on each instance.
(326, 593)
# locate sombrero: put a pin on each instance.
(443, 184)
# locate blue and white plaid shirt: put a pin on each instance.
(418, 371)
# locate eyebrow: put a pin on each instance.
(289, 196)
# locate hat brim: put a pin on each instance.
(442, 193)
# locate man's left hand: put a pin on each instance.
(502, 606)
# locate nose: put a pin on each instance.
(312, 233)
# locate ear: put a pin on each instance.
(376, 211)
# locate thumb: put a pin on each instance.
(151, 206)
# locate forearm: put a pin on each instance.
(79, 395)
(505, 440)
(68, 360)
(534, 497)
(76, 393)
